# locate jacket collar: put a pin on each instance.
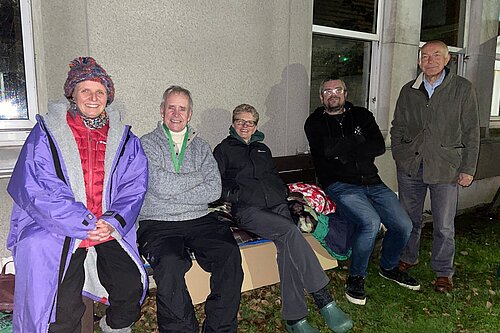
(420, 79)
(192, 133)
(55, 121)
(321, 109)
(257, 136)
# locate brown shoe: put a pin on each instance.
(443, 284)
(404, 266)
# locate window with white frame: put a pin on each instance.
(445, 20)
(17, 80)
(345, 44)
(495, 101)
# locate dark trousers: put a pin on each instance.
(166, 246)
(117, 273)
(444, 200)
(298, 266)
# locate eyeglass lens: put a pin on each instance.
(241, 122)
(336, 91)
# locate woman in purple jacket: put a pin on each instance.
(76, 200)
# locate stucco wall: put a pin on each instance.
(226, 53)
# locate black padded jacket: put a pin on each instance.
(249, 176)
(344, 148)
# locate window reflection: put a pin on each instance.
(443, 20)
(13, 105)
(495, 101)
(345, 58)
(360, 15)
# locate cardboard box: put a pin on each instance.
(259, 266)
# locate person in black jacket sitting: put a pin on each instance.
(344, 141)
(250, 182)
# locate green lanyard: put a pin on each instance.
(177, 161)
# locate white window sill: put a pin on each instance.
(11, 143)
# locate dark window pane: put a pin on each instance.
(443, 20)
(357, 15)
(13, 103)
(345, 58)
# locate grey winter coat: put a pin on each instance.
(179, 196)
(442, 132)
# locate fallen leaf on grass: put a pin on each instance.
(475, 291)
(257, 309)
(488, 282)
(489, 305)
(492, 292)
(464, 253)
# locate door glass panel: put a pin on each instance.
(443, 20)
(13, 99)
(357, 15)
(345, 58)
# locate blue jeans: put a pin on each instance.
(367, 207)
(444, 197)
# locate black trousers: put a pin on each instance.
(117, 273)
(165, 245)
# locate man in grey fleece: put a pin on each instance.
(174, 221)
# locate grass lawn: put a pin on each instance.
(472, 306)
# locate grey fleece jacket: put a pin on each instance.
(179, 196)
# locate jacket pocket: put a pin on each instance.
(405, 139)
(452, 154)
(453, 146)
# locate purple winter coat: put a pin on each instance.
(49, 217)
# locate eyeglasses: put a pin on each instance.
(242, 122)
(336, 91)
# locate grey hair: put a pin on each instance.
(331, 78)
(246, 108)
(436, 42)
(177, 90)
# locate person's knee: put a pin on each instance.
(371, 224)
(403, 227)
(169, 268)
(233, 255)
(232, 262)
(406, 228)
(134, 290)
(447, 232)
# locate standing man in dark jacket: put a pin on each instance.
(344, 141)
(435, 143)
(258, 196)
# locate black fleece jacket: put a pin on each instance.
(344, 147)
(249, 176)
